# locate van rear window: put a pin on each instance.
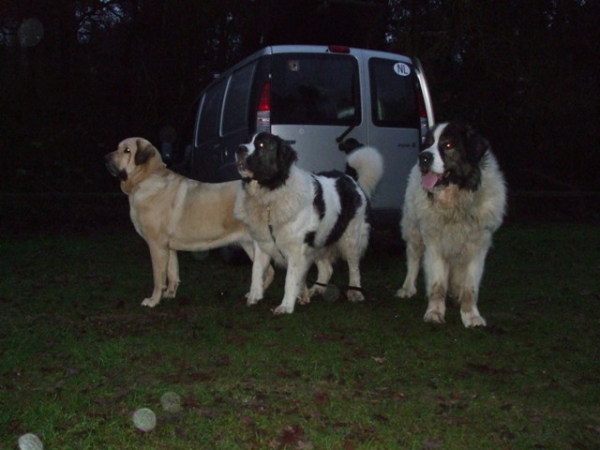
(393, 96)
(315, 89)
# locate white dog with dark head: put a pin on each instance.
(455, 200)
(298, 218)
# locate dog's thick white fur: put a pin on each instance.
(173, 213)
(455, 200)
(298, 218)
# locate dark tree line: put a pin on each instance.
(524, 73)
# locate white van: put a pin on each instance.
(321, 100)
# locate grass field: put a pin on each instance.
(79, 355)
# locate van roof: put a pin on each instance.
(327, 49)
(282, 49)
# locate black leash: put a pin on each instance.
(345, 288)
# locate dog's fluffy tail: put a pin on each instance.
(365, 165)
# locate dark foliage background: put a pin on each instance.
(524, 73)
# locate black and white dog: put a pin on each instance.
(298, 218)
(455, 200)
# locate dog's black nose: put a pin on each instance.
(241, 150)
(425, 160)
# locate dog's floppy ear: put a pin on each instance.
(145, 151)
(349, 145)
(286, 155)
(477, 145)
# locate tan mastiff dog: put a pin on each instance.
(172, 212)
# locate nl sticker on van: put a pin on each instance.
(402, 69)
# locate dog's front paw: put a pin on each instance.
(355, 295)
(150, 302)
(170, 293)
(252, 299)
(283, 309)
(171, 290)
(316, 290)
(471, 320)
(304, 299)
(406, 292)
(434, 316)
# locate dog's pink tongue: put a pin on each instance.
(429, 180)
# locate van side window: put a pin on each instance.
(315, 89)
(235, 111)
(393, 97)
(210, 112)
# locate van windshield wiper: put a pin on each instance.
(341, 137)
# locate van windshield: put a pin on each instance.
(314, 89)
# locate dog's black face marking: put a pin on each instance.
(461, 150)
(462, 139)
(112, 168)
(271, 161)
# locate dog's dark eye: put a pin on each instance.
(448, 145)
(127, 150)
